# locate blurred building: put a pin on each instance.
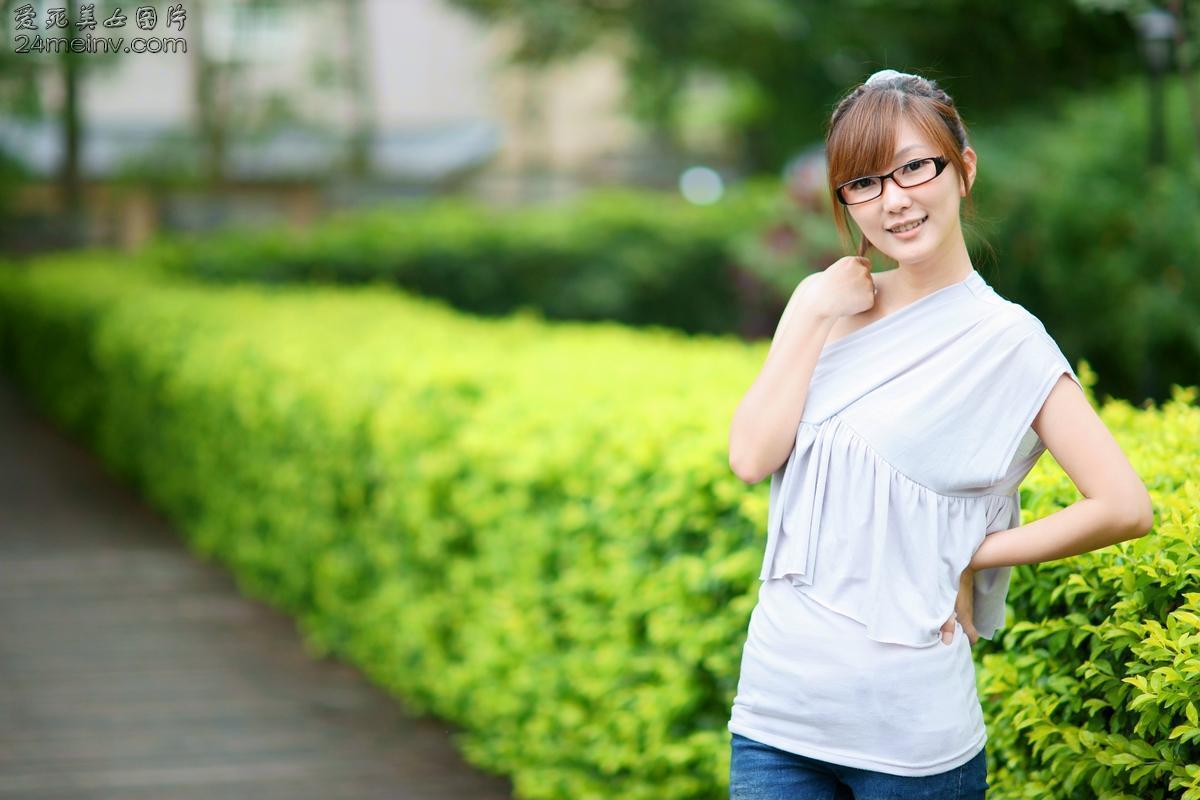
(258, 118)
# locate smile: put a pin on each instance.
(908, 228)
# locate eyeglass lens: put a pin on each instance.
(909, 175)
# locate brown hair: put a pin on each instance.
(861, 136)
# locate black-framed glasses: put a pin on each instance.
(868, 187)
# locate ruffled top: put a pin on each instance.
(915, 437)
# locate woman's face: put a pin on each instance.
(937, 201)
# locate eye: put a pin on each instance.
(862, 183)
(913, 166)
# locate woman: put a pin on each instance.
(897, 414)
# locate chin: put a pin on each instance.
(915, 252)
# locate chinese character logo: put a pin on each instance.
(117, 20)
(146, 17)
(23, 18)
(56, 18)
(87, 17)
(176, 15)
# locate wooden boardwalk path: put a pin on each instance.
(132, 670)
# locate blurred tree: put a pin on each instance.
(19, 95)
(37, 45)
(227, 40)
(239, 35)
(357, 70)
(1186, 14)
(41, 80)
(787, 61)
(72, 126)
(211, 80)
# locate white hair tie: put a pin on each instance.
(886, 74)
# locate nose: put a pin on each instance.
(894, 195)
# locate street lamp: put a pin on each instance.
(1157, 28)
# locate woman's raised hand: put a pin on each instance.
(843, 288)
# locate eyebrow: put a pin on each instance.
(906, 149)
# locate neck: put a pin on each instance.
(949, 264)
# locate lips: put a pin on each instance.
(893, 228)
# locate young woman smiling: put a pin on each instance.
(897, 414)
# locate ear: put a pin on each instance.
(969, 162)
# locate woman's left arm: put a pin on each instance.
(1115, 504)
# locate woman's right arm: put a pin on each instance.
(763, 431)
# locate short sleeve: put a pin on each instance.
(1032, 364)
(1047, 365)
(1036, 364)
(1054, 364)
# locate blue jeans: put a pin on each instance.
(758, 771)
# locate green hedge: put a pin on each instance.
(635, 257)
(530, 529)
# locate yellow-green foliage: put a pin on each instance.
(532, 530)
(1094, 691)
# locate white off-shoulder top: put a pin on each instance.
(914, 439)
